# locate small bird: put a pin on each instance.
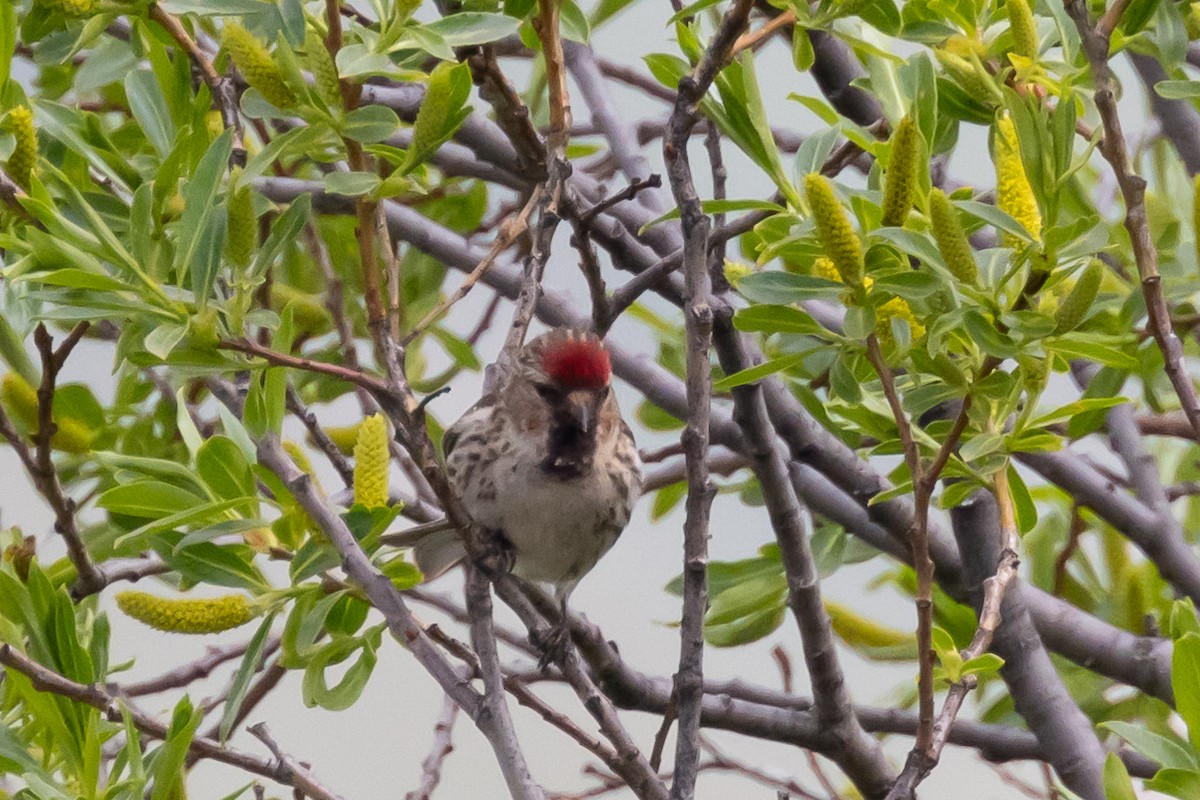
(545, 461)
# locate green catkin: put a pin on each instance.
(242, 240)
(963, 72)
(324, 72)
(838, 237)
(24, 155)
(1014, 195)
(1075, 307)
(1023, 26)
(371, 463)
(187, 616)
(900, 182)
(951, 239)
(343, 437)
(254, 61)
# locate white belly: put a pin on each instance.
(558, 528)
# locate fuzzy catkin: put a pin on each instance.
(1023, 26)
(371, 463)
(963, 72)
(254, 61)
(325, 75)
(24, 155)
(1014, 195)
(186, 616)
(1077, 304)
(896, 308)
(951, 239)
(242, 225)
(838, 237)
(900, 181)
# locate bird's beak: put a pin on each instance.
(579, 405)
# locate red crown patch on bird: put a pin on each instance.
(578, 363)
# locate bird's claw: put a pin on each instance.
(498, 557)
(553, 644)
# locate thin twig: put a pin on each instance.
(698, 324)
(443, 745)
(283, 771)
(510, 230)
(224, 93)
(921, 762)
(1095, 43)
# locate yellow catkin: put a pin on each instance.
(1079, 301)
(371, 463)
(24, 155)
(69, 8)
(1014, 195)
(186, 616)
(838, 237)
(900, 182)
(822, 267)
(242, 240)
(896, 308)
(1023, 26)
(951, 239)
(254, 61)
(324, 72)
(21, 400)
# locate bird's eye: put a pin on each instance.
(546, 391)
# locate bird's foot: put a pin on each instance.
(553, 643)
(498, 557)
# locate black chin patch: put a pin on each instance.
(569, 451)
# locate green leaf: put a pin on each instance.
(759, 371)
(200, 196)
(1178, 90)
(163, 339)
(1074, 346)
(441, 113)
(206, 562)
(1185, 681)
(351, 184)
(148, 499)
(1026, 509)
(1184, 784)
(1117, 784)
(224, 469)
(778, 319)
(469, 28)
(347, 691)
(167, 770)
(81, 279)
(245, 672)
(787, 287)
(985, 334)
(149, 108)
(370, 124)
(1167, 751)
